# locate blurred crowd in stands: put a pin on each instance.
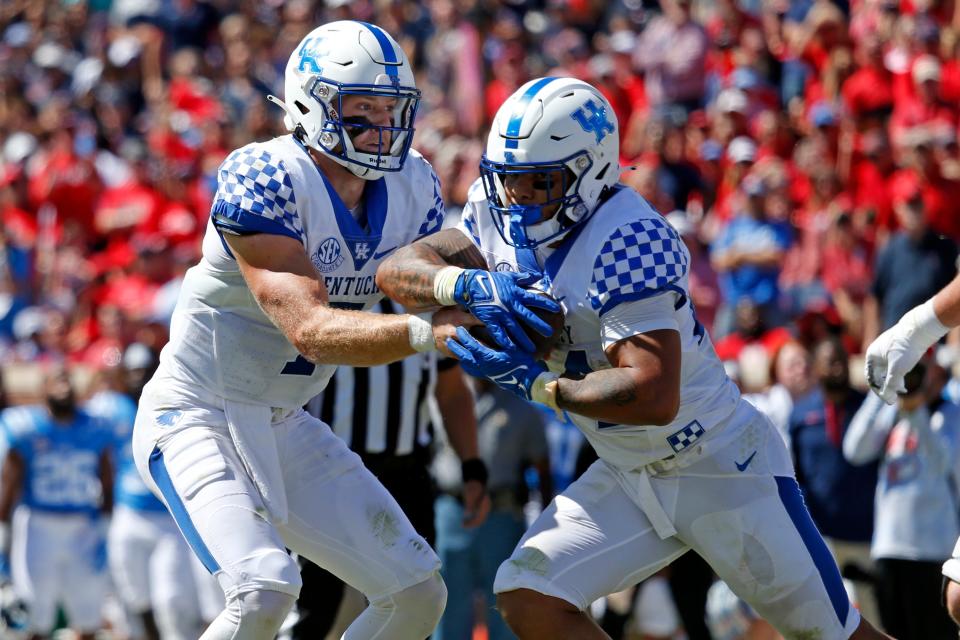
(807, 151)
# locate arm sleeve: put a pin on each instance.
(255, 195)
(868, 430)
(935, 440)
(639, 316)
(641, 259)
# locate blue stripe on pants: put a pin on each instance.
(790, 495)
(159, 472)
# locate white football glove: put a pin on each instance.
(898, 350)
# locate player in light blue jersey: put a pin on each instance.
(58, 466)
(298, 227)
(685, 463)
(148, 558)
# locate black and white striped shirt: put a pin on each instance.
(382, 409)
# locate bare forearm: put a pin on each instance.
(106, 484)
(765, 258)
(354, 338)
(455, 402)
(10, 482)
(408, 276)
(460, 424)
(614, 395)
(946, 304)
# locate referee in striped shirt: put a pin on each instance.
(384, 414)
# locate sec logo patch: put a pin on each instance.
(328, 255)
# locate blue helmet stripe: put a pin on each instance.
(520, 109)
(389, 57)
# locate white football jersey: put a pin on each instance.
(624, 253)
(220, 339)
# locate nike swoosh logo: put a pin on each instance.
(382, 254)
(511, 381)
(741, 467)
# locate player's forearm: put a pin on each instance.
(946, 304)
(11, 479)
(617, 395)
(106, 484)
(408, 276)
(764, 258)
(459, 419)
(354, 338)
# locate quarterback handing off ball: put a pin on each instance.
(544, 344)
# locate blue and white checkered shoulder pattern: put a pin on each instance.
(638, 260)
(257, 183)
(468, 218)
(434, 218)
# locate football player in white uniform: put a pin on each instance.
(298, 226)
(684, 462)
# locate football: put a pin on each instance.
(543, 344)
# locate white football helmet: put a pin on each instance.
(550, 127)
(350, 58)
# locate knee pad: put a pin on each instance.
(410, 614)
(251, 615)
(266, 570)
(425, 599)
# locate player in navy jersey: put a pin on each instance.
(58, 467)
(297, 229)
(684, 463)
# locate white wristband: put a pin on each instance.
(444, 284)
(544, 390)
(922, 326)
(420, 331)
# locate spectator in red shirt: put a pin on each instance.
(850, 274)
(925, 106)
(871, 186)
(750, 330)
(58, 176)
(922, 174)
(868, 91)
(135, 203)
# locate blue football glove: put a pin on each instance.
(497, 299)
(4, 568)
(514, 371)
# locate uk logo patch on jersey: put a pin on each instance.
(328, 256)
(361, 251)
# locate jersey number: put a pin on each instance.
(60, 480)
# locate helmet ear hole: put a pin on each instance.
(303, 108)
